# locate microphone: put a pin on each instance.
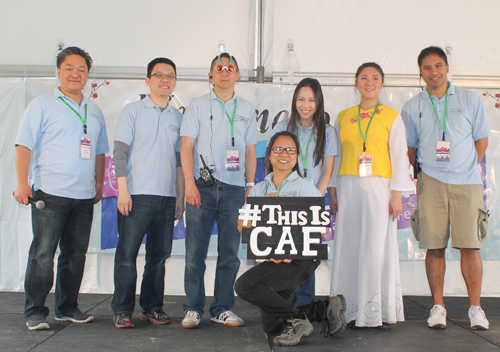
(39, 204)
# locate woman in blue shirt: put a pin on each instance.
(272, 284)
(318, 148)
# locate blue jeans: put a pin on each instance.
(63, 221)
(306, 292)
(219, 202)
(154, 215)
(271, 287)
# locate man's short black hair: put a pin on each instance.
(73, 50)
(160, 60)
(429, 51)
(227, 56)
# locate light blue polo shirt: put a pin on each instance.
(153, 137)
(313, 172)
(52, 131)
(293, 186)
(466, 122)
(206, 121)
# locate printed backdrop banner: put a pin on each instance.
(272, 104)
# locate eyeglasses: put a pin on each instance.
(229, 68)
(164, 77)
(279, 150)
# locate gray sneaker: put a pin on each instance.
(335, 316)
(293, 332)
(75, 316)
(37, 322)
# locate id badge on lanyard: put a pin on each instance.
(232, 158)
(85, 146)
(365, 160)
(443, 151)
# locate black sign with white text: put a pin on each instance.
(285, 227)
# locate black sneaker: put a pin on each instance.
(158, 317)
(123, 321)
(75, 316)
(37, 322)
(293, 332)
(334, 322)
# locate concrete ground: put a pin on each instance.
(101, 335)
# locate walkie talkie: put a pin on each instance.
(206, 174)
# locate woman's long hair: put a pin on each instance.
(270, 145)
(318, 117)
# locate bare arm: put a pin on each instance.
(99, 177)
(332, 191)
(23, 190)
(412, 155)
(191, 191)
(179, 182)
(326, 174)
(481, 145)
(250, 166)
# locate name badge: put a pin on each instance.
(365, 164)
(443, 151)
(85, 147)
(232, 160)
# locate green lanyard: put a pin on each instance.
(279, 189)
(302, 155)
(84, 121)
(443, 126)
(367, 127)
(231, 121)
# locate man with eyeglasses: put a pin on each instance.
(149, 176)
(219, 134)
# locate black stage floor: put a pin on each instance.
(101, 335)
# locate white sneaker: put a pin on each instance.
(478, 319)
(191, 320)
(437, 317)
(228, 318)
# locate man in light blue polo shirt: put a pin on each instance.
(219, 134)
(149, 175)
(67, 134)
(447, 130)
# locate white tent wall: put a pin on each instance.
(337, 36)
(126, 32)
(328, 36)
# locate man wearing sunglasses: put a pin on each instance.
(219, 134)
(149, 176)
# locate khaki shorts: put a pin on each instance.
(443, 208)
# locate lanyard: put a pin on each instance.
(231, 121)
(279, 189)
(84, 121)
(302, 156)
(367, 127)
(443, 126)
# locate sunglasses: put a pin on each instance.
(279, 150)
(230, 67)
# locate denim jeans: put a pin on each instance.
(271, 287)
(219, 202)
(63, 221)
(305, 293)
(154, 215)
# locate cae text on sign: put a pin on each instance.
(285, 227)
